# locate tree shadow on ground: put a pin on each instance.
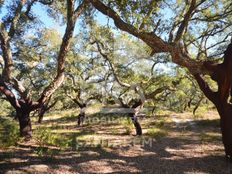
(163, 155)
(180, 152)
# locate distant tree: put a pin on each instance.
(85, 75)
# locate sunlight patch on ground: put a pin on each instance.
(39, 168)
(107, 166)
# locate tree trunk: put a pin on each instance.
(225, 113)
(81, 116)
(41, 117)
(24, 123)
(137, 125)
(80, 119)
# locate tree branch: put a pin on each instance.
(71, 21)
(105, 56)
(151, 39)
(185, 21)
(9, 95)
(212, 96)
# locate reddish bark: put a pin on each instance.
(221, 98)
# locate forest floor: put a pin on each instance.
(174, 143)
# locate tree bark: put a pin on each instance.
(225, 113)
(137, 125)
(44, 108)
(24, 123)
(81, 116)
(222, 75)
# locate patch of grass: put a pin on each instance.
(208, 123)
(127, 125)
(210, 137)
(200, 112)
(157, 132)
(162, 112)
(114, 131)
(9, 132)
(45, 137)
(45, 151)
(159, 121)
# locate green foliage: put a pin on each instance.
(44, 136)
(49, 143)
(156, 132)
(9, 132)
(201, 111)
(139, 12)
(127, 125)
(6, 109)
(45, 151)
(210, 137)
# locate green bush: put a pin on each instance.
(128, 125)
(45, 151)
(45, 137)
(157, 132)
(9, 132)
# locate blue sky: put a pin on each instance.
(39, 10)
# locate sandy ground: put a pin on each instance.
(184, 150)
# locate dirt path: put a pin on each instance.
(189, 147)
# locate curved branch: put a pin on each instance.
(151, 39)
(71, 21)
(185, 21)
(9, 95)
(152, 94)
(212, 96)
(105, 56)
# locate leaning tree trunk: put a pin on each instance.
(45, 108)
(24, 123)
(136, 123)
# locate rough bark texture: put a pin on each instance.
(226, 128)
(23, 117)
(221, 98)
(45, 108)
(136, 123)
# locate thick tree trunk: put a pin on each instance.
(221, 73)
(24, 123)
(225, 113)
